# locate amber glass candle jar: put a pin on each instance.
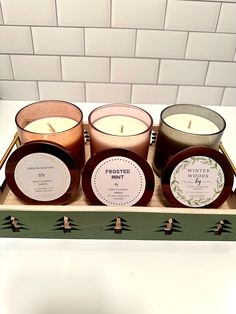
(55, 121)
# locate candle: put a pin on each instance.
(182, 126)
(191, 123)
(120, 126)
(55, 121)
(50, 125)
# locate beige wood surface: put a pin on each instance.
(158, 200)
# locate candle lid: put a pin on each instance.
(118, 177)
(42, 172)
(198, 176)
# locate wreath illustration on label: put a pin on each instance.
(197, 181)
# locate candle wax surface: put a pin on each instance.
(120, 125)
(51, 125)
(191, 123)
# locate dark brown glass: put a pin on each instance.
(170, 140)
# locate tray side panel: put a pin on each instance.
(118, 225)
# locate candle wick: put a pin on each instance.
(51, 127)
(189, 124)
(121, 128)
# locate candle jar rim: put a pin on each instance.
(123, 114)
(221, 130)
(44, 102)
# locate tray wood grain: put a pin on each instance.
(158, 200)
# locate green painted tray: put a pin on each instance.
(86, 222)
(79, 220)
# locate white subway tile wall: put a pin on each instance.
(229, 98)
(132, 51)
(15, 90)
(200, 94)
(154, 94)
(83, 13)
(1, 19)
(27, 67)
(28, 12)
(48, 40)
(182, 72)
(5, 66)
(161, 44)
(96, 92)
(15, 39)
(138, 14)
(88, 69)
(110, 42)
(62, 90)
(221, 74)
(131, 70)
(227, 20)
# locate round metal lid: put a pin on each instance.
(118, 177)
(198, 176)
(42, 172)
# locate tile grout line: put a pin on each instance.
(234, 56)
(32, 40)
(158, 72)
(2, 13)
(121, 83)
(165, 13)
(222, 96)
(85, 92)
(218, 18)
(57, 25)
(135, 43)
(84, 41)
(11, 65)
(33, 48)
(211, 1)
(56, 12)
(185, 48)
(131, 92)
(207, 68)
(109, 74)
(122, 28)
(60, 64)
(177, 93)
(120, 57)
(38, 91)
(110, 13)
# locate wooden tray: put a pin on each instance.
(79, 220)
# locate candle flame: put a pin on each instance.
(189, 124)
(51, 127)
(121, 128)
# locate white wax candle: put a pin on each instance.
(191, 123)
(120, 125)
(51, 125)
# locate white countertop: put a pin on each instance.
(105, 276)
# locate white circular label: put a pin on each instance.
(197, 181)
(42, 177)
(118, 181)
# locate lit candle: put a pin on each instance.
(182, 126)
(120, 126)
(56, 121)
